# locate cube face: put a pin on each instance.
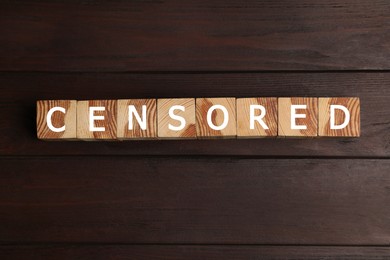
(216, 117)
(133, 129)
(172, 127)
(56, 119)
(103, 124)
(270, 119)
(330, 123)
(291, 117)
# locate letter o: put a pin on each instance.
(225, 120)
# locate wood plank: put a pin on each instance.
(20, 92)
(194, 35)
(60, 252)
(197, 200)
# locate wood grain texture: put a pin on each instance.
(194, 200)
(18, 102)
(270, 118)
(194, 35)
(97, 252)
(324, 117)
(164, 120)
(161, 201)
(223, 119)
(310, 114)
(136, 132)
(108, 122)
(58, 119)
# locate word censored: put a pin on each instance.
(181, 118)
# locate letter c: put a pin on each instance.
(49, 122)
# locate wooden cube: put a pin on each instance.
(298, 116)
(257, 117)
(216, 117)
(96, 119)
(339, 116)
(56, 119)
(176, 118)
(142, 122)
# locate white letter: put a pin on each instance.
(332, 117)
(48, 119)
(294, 115)
(176, 117)
(259, 118)
(92, 118)
(225, 114)
(141, 122)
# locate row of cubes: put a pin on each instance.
(179, 118)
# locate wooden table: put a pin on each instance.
(198, 199)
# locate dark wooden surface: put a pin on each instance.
(195, 200)
(194, 35)
(17, 105)
(61, 252)
(207, 199)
